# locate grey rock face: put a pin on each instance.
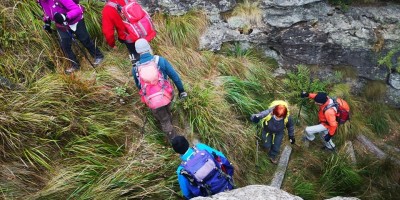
(394, 80)
(253, 192)
(178, 7)
(283, 3)
(284, 17)
(393, 97)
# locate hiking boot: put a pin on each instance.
(71, 69)
(273, 160)
(97, 61)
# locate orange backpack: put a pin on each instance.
(342, 109)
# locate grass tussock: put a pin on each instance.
(374, 90)
(180, 31)
(249, 10)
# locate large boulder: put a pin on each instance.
(259, 192)
(253, 192)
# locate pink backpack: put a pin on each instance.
(155, 90)
(136, 20)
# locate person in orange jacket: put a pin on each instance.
(327, 119)
(111, 21)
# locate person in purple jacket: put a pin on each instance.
(68, 17)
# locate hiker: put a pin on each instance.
(112, 20)
(216, 171)
(68, 17)
(327, 116)
(151, 77)
(274, 120)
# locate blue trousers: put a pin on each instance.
(272, 142)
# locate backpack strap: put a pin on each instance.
(156, 58)
(334, 105)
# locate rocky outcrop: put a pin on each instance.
(256, 192)
(259, 192)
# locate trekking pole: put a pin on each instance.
(257, 153)
(303, 102)
(82, 50)
(257, 143)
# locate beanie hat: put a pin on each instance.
(180, 144)
(321, 97)
(142, 46)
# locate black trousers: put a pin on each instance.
(131, 48)
(67, 36)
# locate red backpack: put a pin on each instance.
(155, 90)
(136, 20)
(342, 109)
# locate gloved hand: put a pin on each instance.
(327, 137)
(182, 95)
(47, 26)
(60, 18)
(292, 140)
(304, 94)
(255, 118)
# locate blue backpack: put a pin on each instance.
(207, 173)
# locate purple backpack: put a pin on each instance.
(208, 174)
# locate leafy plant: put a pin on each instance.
(121, 91)
(391, 60)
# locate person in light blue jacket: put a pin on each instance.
(162, 114)
(181, 146)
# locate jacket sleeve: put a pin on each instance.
(330, 116)
(135, 77)
(265, 112)
(167, 69)
(183, 184)
(290, 126)
(312, 95)
(74, 10)
(107, 26)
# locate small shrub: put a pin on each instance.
(121, 91)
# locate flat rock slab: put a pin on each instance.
(281, 169)
(374, 149)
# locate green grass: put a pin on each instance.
(70, 137)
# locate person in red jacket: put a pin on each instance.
(111, 21)
(327, 119)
